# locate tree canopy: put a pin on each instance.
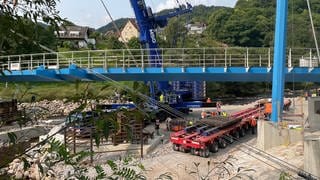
(22, 28)
(251, 23)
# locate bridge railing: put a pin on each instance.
(170, 57)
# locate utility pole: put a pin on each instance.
(279, 60)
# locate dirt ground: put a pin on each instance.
(181, 165)
(244, 163)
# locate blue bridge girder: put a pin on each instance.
(200, 64)
(210, 74)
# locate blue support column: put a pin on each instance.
(279, 60)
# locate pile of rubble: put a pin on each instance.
(48, 109)
(55, 108)
(34, 165)
(39, 164)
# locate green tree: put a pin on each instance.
(112, 42)
(134, 43)
(26, 37)
(19, 26)
(175, 33)
(217, 21)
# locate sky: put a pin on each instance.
(91, 12)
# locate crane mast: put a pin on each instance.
(181, 93)
(148, 23)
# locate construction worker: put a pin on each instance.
(306, 95)
(268, 109)
(203, 114)
(168, 123)
(209, 100)
(224, 114)
(218, 106)
(213, 114)
(190, 123)
(157, 127)
(161, 98)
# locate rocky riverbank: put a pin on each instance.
(49, 109)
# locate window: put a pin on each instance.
(74, 33)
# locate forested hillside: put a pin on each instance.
(109, 27)
(251, 23)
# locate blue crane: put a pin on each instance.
(148, 23)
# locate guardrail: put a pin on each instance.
(170, 57)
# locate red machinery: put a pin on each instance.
(211, 133)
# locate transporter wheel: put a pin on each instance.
(247, 127)
(201, 154)
(181, 149)
(229, 139)
(206, 152)
(236, 134)
(175, 147)
(242, 132)
(185, 150)
(214, 147)
(192, 151)
(222, 143)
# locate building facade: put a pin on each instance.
(76, 34)
(129, 31)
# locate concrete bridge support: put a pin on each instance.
(271, 135)
(312, 153)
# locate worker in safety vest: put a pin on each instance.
(161, 98)
(268, 109)
(218, 106)
(203, 114)
(224, 114)
(213, 114)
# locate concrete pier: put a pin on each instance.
(314, 113)
(270, 135)
(312, 153)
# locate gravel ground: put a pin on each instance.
(182, 165)
(163, 160)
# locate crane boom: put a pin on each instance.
(148, 22)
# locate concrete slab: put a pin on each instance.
(23, 134)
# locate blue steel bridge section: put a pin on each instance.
(202, 64)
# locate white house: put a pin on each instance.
(197, 28)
